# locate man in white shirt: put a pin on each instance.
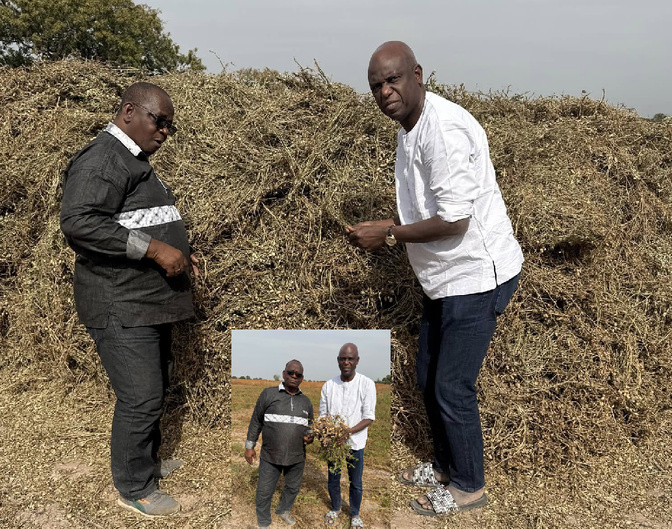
(461, 246)
(352, 396)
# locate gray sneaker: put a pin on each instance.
(158, 503)
(287, 518)
(164, 467)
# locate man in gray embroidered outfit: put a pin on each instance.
(282, 415)
(131, 281)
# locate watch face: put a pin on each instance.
(389, 238)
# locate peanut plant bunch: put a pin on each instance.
(332, 433)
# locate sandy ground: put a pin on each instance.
(633, 490)
(313, 502)
(54, 456)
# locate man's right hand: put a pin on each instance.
(368, 235)
(250, 455)
(167, 257)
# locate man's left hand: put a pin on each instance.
(167, 257)
(368, 235)
(308, 439)
(344, 438)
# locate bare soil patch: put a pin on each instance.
(54, 455)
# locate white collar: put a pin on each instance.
(281, 387)
(123, 138)
(347, 381)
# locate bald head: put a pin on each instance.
(349, 347)
(397, 49)
(146, 116)
(294, 364)
(395, 78)
(143, 93)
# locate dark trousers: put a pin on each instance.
(139, 362)
(355, 473)
(454, 338)
(269, 474)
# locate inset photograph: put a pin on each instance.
(310, 433)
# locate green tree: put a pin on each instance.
(660, 117)
(387, 379)
(114, 31)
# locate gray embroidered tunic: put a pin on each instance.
(283, 420)
(113, 204)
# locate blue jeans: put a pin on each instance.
(355, 476)
(138, 362)
(269, 474)
(454, 338)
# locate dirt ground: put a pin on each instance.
(632, 490)
(54, 456)
(54, 461)
(313, 500)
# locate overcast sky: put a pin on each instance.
(262, 354)
(540, 47)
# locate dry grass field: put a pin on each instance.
(268, 169)
(313, 500)
(54, 451)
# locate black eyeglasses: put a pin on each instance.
(161, 123)
(294, 374)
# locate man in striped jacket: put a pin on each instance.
(283, 416)
(131, 282)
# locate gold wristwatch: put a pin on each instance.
(390, 240)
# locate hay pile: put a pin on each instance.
(269, 169)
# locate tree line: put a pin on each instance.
(117, 32)
(387, 379)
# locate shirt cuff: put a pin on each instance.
(137, 244)
(453, 212)
(249, 445)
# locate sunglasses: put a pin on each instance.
(294, 374)
(161, 123)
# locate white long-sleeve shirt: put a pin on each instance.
(354, 401)
(443, 168)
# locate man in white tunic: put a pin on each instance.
(461, 246)
(352, 396)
